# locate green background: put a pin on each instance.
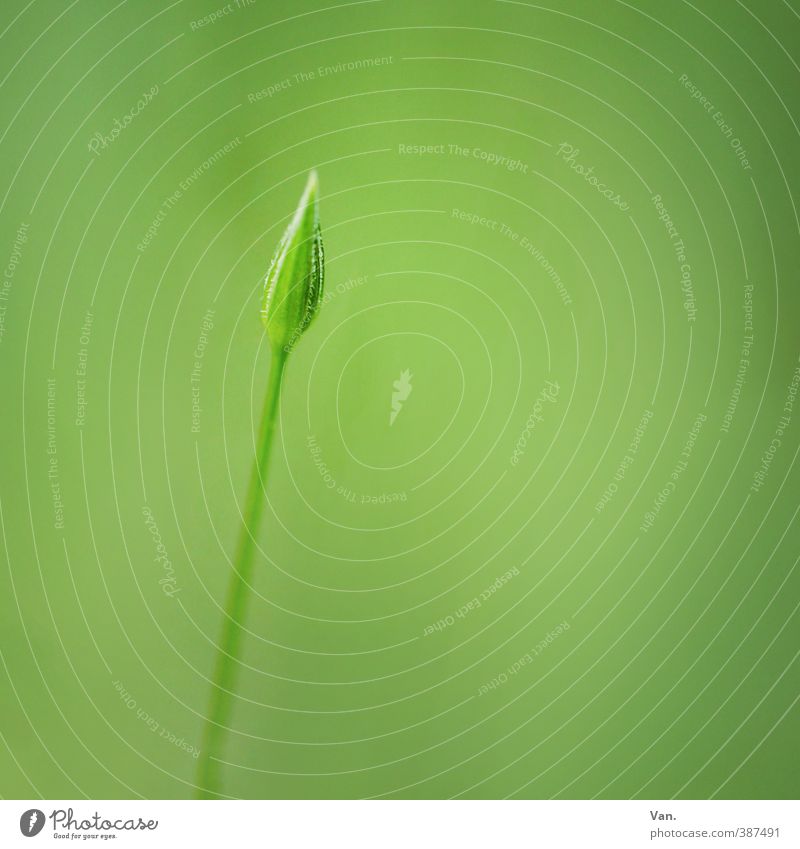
(678, 673)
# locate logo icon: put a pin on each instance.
(402, 389)
(31, 822)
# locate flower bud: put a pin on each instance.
(294, 283)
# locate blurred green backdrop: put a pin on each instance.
(568, 567)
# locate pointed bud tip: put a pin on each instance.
(312, 185)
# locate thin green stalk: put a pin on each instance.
(291, 299)
(226, 666)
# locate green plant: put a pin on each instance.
(291, 300)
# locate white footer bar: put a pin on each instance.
(395, 824)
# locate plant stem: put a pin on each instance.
(226, 666)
